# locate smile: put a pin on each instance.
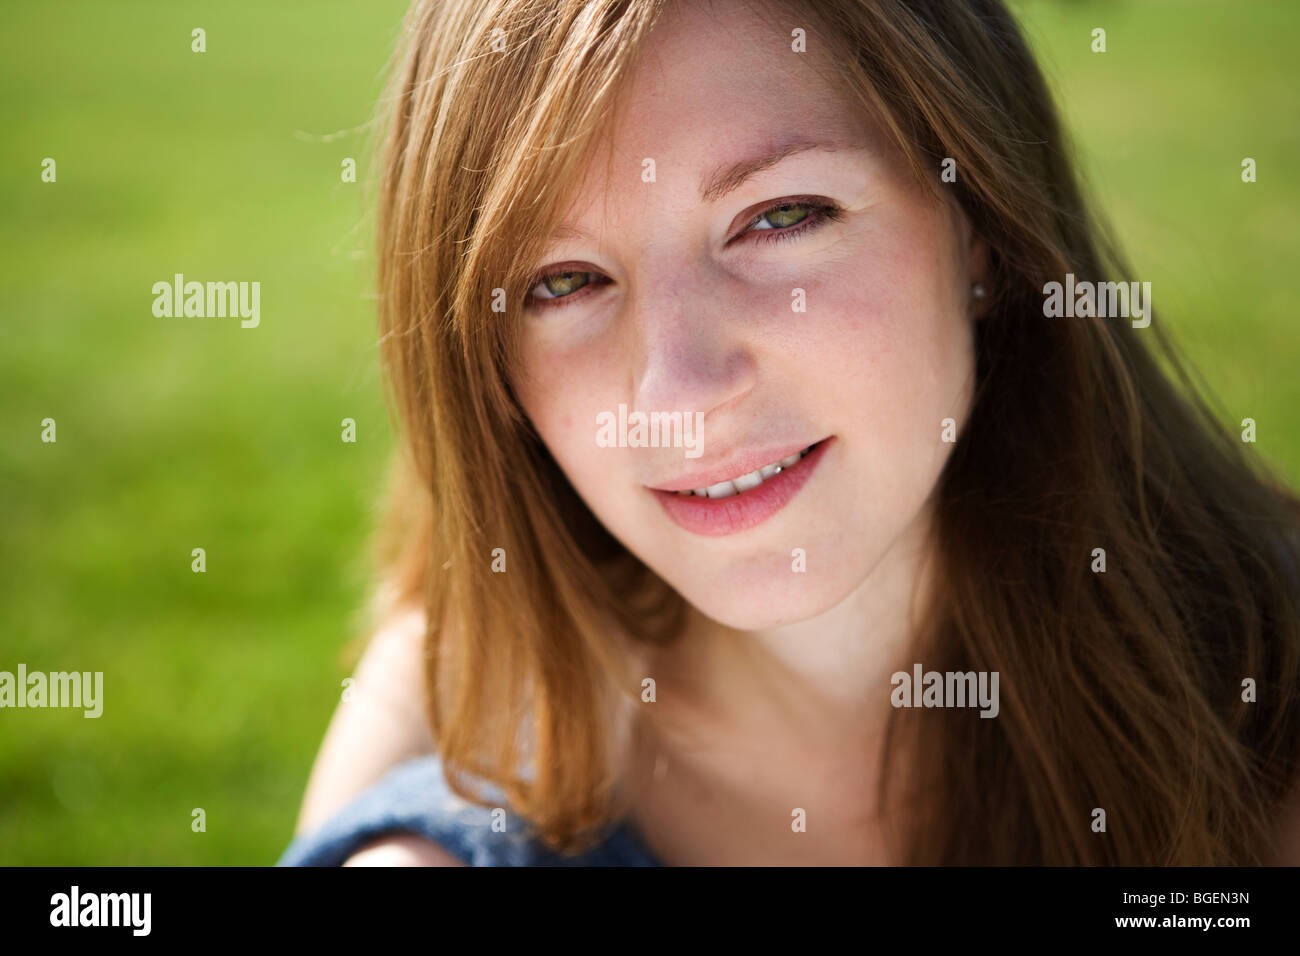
(724, 506)
(734, 486)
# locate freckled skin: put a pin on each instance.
(697, 317)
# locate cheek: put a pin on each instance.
(885, 328)
(562, 389)
(888, 346)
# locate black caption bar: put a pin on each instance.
(136, 906)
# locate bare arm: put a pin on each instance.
(382, 725)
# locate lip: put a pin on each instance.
(717, 517)
(741, 464)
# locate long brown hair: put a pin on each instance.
(1121, 690)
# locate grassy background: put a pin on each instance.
(176, 434)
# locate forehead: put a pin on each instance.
(720, 81)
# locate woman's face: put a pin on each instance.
(730, 294)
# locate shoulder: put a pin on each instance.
(412, 798)
(378, 724)
(414, 801)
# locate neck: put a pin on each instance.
(749, 724)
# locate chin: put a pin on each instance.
(757, 600)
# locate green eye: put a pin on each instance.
(784, 215)
(560, 284)
(561, 288)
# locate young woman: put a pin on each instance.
(929, 573)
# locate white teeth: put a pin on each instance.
(723, 489)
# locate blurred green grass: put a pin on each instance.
(1162, 120)
(176, 434)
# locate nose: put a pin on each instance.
(691, 353)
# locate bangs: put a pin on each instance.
(554, 92)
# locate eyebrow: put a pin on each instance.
(727, 179)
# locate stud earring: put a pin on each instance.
(977, 290)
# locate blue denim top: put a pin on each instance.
(414, 798)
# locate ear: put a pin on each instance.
(975, 251)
